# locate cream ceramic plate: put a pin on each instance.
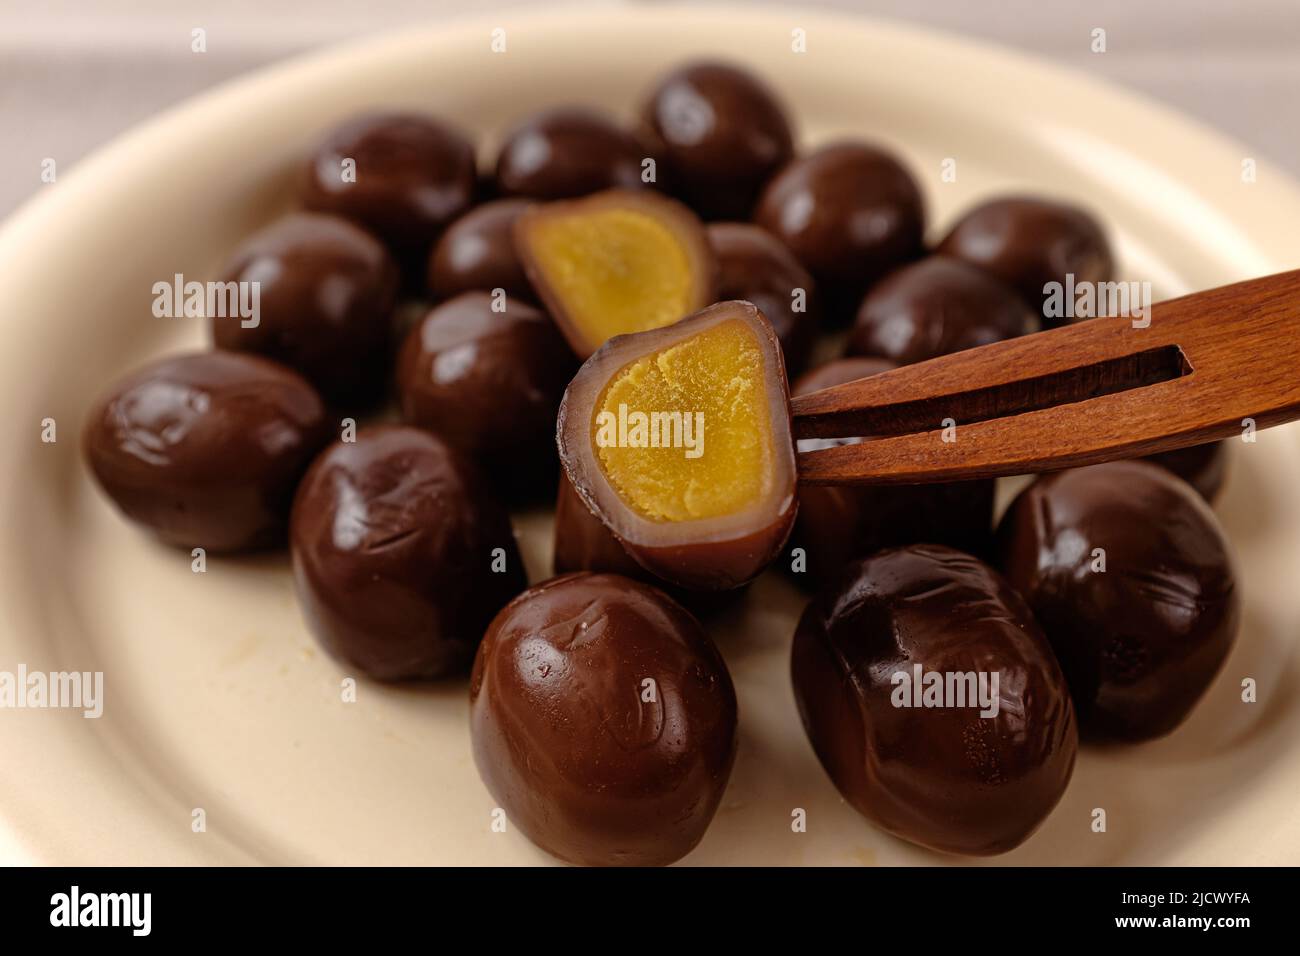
(216, 697)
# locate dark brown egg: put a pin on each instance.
(850, 212)
(933, 700)
(326, 293)
(568, 152)
(477, 253)
(936, 306)
(401, 556)
(489, 381)
(205, 449)
(403, 176)
(1128, 571)
(724, 133)
(1029, 243)
(603, 721)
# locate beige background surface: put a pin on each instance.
(74, 73)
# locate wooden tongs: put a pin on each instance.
(1206, 366)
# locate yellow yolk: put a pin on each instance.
(616, 270)
(710, 394)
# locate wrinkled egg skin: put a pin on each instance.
(603, 721)
(1141, 640)
(401, 556)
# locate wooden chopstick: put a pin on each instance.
(1098, 390)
